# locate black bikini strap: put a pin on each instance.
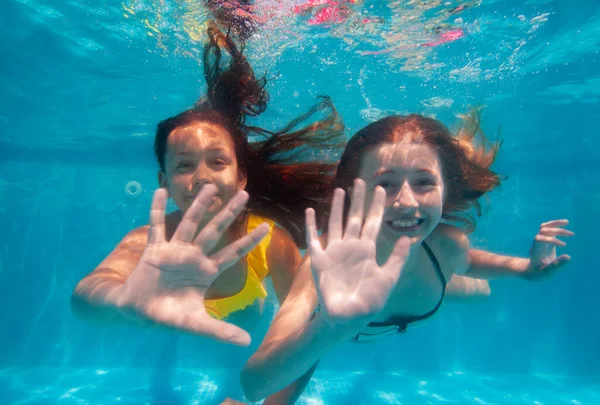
(435, 262)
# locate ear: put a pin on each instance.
(162, 180)
(242, 180)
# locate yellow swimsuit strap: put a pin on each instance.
(258, 269)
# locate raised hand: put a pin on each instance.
(543, 260)
(351, 286)
(169, 283)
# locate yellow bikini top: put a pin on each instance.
(258, 269)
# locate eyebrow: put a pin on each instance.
(211, 149)
(381, 172)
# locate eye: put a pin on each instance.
(386, 185)
(425, 182)
(220, 163)
(184, 165)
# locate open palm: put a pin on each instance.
(351, 286)
(169, 283)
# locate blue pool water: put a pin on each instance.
(187, 386)
(83, 84)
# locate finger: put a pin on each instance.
(156, 233)
(556, 222)
(393, 267)
(373, 222)
(187, 228)
(355, 215)
(207, 326)
(315, 250)
(232, 253)
(213, 231)
(546, 231)
(556, 264)
(550, 240)
(563, 259)
(335, 224)
(312, 236)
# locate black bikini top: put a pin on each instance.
(402, 322)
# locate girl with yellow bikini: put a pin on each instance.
(188, 270)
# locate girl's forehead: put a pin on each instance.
(200, 136)
(402, 156)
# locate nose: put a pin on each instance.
(201, 177)
(405, 200)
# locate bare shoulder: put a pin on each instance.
(450, 236)
(451, 246)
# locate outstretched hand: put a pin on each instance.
(351, 286)
(169, 283)
(543, 260)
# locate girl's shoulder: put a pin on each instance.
(451, 245)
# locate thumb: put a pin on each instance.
(556, 264)
(204, 325)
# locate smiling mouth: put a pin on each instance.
(405, 225)
(191, 199)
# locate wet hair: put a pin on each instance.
(288, 170)
(237, 15)
(465, 158)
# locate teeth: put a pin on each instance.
(406, 223)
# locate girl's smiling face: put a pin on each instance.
(198, 154)
(411, 175)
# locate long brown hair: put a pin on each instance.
(465, 157)
(288, 170)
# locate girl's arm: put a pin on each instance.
(294, 342)
(352, 288)
(486, 265)
(95, 296)
(284, 261)
(461, 289)
(542, 263)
